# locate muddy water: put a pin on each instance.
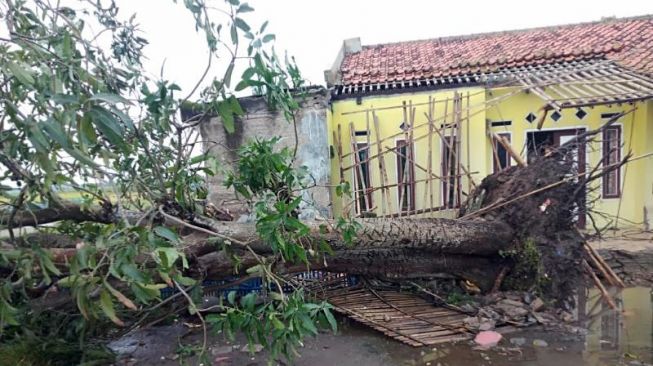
(604, 338)
(611, 338)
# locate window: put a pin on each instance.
(450, 172)
(362, 179)
(405, 176)
(501, 157)
(612, 155)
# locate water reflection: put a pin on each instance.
(623, 337)
(628, 331)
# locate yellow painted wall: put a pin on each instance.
(637, 138)
(390, 116)
(503, 104)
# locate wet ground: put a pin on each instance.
(603, 337)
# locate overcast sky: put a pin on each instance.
(313, 31)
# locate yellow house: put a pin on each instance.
(414, 126)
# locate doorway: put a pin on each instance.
(539, 143)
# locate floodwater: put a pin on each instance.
(611, 338)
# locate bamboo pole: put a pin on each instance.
(506, 145)
(599, 285)
(338, 139)
(359, 169)
(469, 157)
(497, 161)
(458, 154)
(443, 161)
(602, 262)
(599, 267)
(468, 173)
(391, 185)
(383, 175)
(410, 152)
(428, 186)
(400, 187)
(486, 106)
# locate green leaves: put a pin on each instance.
(244, 8)
(108, 125)
(56, 132)
(166, 233)
(85, 123)
(21, 73)
(106, 304)
(228, 110)
(108, 98)
(242, 25)
(279, 325)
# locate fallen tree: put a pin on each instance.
(87, 123)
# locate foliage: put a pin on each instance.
(528, 271)
(79, 114)
(458, 298)
(279, 325)
(267, 177)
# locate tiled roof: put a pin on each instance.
(629, 41)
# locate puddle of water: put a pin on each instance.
(622, 337)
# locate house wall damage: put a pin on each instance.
(262, 123)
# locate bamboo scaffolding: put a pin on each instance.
(458, 154)
(443, 161)
(359, 170)
(452, 164)
(428, 186)
(411, 153)
(488, 104)
(601, 263)
(497, 161)
(599, 285)
(512, 152)
(405, 162)
(337, 142)
(383, 171)
(391, 185)
(469, 174)
(469, 156)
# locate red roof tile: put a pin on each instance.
(628, 41)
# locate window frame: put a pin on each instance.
(497, 145)
(606, 147)
(367, 195)
(410, 161)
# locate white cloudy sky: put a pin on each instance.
(313, 30)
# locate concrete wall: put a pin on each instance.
(260, 121)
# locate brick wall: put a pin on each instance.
(260, 121)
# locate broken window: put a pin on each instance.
(362, 179)
(405, 176)
(612, 155)
(501, 158)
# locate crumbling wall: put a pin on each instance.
(259, 121)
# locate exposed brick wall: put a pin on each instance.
(260, 121)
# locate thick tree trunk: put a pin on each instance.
(387, 248)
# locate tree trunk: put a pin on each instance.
(387, 248)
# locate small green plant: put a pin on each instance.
(527, 269)
(458, 298)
